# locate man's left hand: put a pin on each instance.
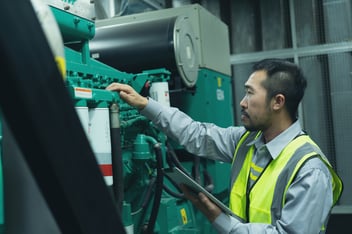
(202, 202)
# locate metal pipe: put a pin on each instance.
(116, 152)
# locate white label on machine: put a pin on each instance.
(83, 93)
(220, 96)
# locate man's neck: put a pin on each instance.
(276, 129)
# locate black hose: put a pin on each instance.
(172, 193)
(208, 180)
(196, 171)
(147, 198)
(169, 160)
(148, 194)
(158, 189)
(174, 159)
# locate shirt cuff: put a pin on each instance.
(224, 223)
(152, 109)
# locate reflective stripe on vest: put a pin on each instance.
(267, 196)
(243, 156)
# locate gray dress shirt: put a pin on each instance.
(309, 198)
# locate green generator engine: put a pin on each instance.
(179, 57)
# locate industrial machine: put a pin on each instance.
(177, 56)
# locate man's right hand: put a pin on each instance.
(129, 95)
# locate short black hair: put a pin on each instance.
(285, 78)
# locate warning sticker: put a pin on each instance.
(219, 82)
(83, 93)
(184, 216)
(220, 95)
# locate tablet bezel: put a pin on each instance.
(179, 177)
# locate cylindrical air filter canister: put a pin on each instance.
(95, 122)
(144, 45)
(99, 136)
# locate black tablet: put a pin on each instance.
(179, 177)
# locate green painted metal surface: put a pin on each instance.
(210, 100)
(73, 27)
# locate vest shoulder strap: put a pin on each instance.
(241, 152)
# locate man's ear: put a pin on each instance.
(278, 101)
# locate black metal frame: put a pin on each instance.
(38, 109)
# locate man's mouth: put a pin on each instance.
(244, 115)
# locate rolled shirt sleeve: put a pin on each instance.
(201, 139)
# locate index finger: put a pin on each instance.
(114, 86)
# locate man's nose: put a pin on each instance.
(243, 102)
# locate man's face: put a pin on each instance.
(256, 112)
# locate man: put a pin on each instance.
(281, 181)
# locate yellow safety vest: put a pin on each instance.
(265, 200)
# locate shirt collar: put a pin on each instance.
(276, 145)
